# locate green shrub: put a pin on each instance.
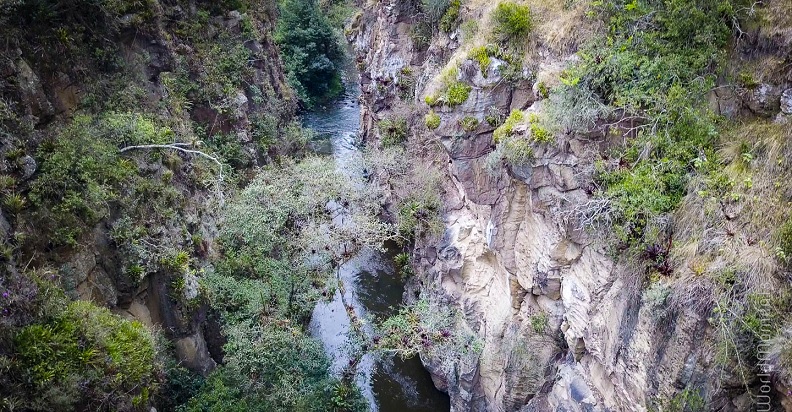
(689, 400)
(433, 10)
(469, 123)
(419, 208)
(511, 21)
(425, 327)
(431, 100)
(309, 49)
(14, 203)
(413, 328)
(505, 130)
(574, 108)
(393, 130)
(86, 355)
(494, 116)
(544, 91)
(264, 129)
(421, 35)
(480, 55)
(539, 322)
(229, 149)
(658, 63)
(177, 262)
(450, 19)
(403, 265)
(274, 369)
(457, 93)
(81, 172)
(406, 83)
(517, 151)
(222, 392)
(7, 183)
(449, 76)
(539, 133)
(432, 120)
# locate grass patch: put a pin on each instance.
(432, 120)
(393, 131)
(512, 21)
(505, 130)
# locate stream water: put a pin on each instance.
(370, 283)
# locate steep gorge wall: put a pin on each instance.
(563, 323)
(160, 61)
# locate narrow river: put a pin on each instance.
(370, 283)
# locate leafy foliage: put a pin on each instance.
(81, 171)
(450, 18)
(84, 354)
(426, 327)
(457, 93)
(469, 123)
(453, 92)
(309, 49)
(481, 55)
(512, 21)
(515, 117)
(656, 65)
(539, 322)
(432, 120)
(277, 245)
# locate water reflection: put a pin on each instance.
(370, 285)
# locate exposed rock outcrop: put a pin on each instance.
(45, 84)
(564, 326)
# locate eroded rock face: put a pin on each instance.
(763, 100)
(786, 101)
(42, 93)
(194, 354)
(564, 328)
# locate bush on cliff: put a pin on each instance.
(655, 67)
(84, 356)
(512, 21)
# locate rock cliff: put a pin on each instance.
(564, 318)
(184, 66)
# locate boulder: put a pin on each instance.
(763, 100)
(31, 91)
(786, 101)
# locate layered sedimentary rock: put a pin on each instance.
(562, 319)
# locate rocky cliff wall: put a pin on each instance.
(562, 316)
(205, 74)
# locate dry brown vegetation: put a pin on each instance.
(726, 224)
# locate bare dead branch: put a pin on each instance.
(182, 147)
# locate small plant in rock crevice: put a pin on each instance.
(432, 120)
(393, 130)
(469, 123)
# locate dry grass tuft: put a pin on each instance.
(776, 20)
(559, 28)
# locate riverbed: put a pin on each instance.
(370, 284)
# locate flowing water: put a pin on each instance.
(370, 283)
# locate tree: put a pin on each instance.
(310, 50)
